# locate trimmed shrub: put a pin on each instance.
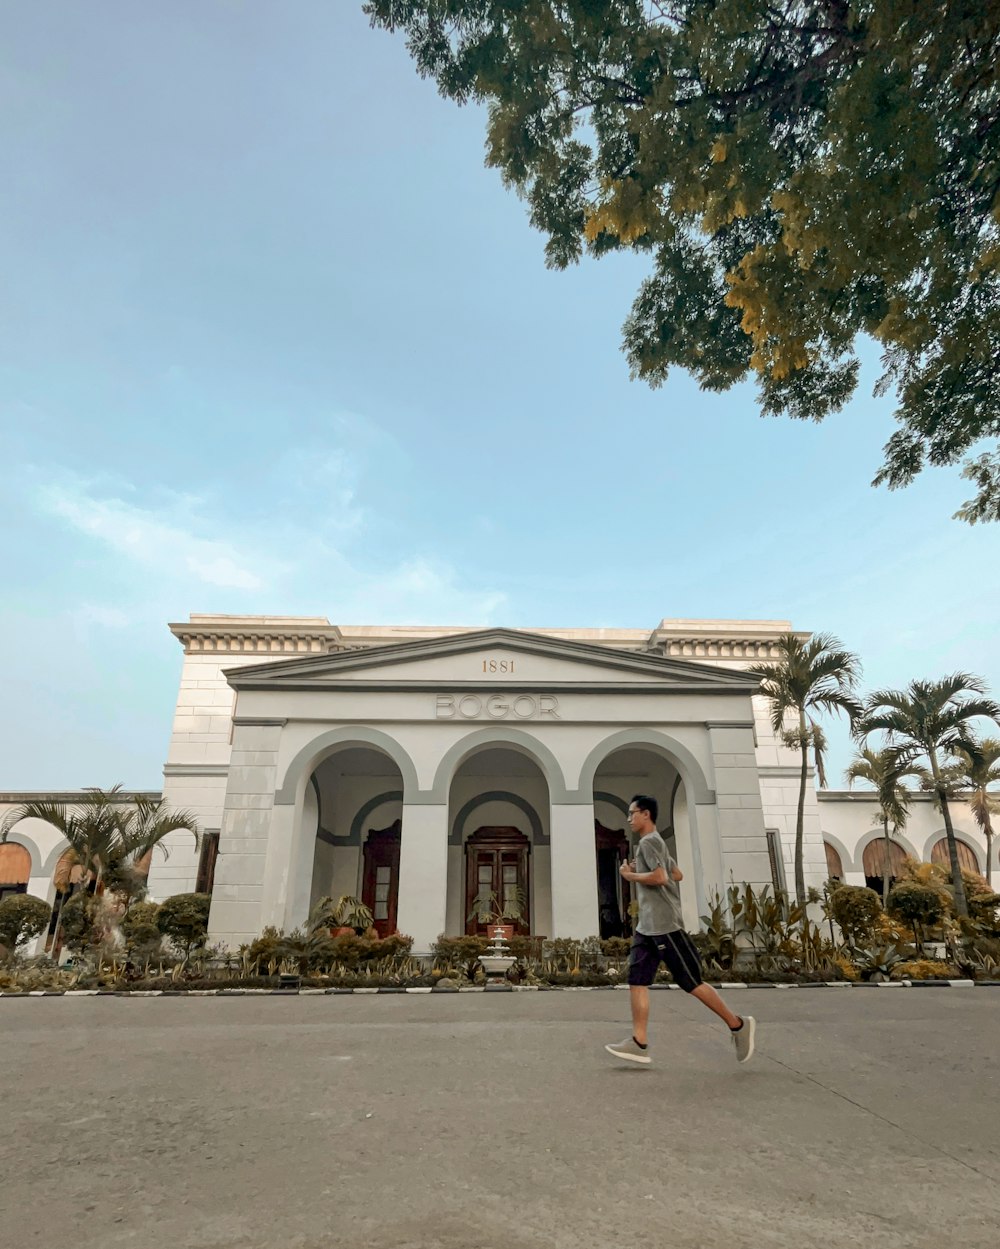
(353, 952)
(920, 906)
(183, 919)
(924, 969)
(268, 948)
(22, 917)
(856, 911)
(79, 926)
(139, 926)
(526, 949)
(458, 952)
(983, 902)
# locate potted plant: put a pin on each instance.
(494, 911)
(344, 917)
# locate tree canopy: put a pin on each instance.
(799, 174)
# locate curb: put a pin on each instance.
(494, 988)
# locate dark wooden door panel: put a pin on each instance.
(380, 888)
(497, 860)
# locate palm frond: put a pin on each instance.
(54, 813)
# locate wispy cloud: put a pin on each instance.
(310, 547)
(152, 540)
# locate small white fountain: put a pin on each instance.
(497, 960)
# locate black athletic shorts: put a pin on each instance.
(676, 949)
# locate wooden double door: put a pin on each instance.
(380, 877)
(497, 862)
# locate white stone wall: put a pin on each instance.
(850, 820)
(197, 767)
(253, 868)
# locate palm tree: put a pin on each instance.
(108, 833)
(974, 772)
(816, 675)
(933, 719)
(884, 771)
(146, 824)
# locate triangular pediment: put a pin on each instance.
(490, 657)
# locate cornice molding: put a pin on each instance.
(196, 769)
(869, 795)
(248, 635)
(324, 670)
(714, 641)
(68, 796)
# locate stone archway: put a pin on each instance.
(498, 813)
(877, 861)
(353, 802)
(968, 859)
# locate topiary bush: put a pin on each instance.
(139, 926)
(459, 952)
(22, 917)
(856, 911)
(983, 903)
(353, 952)
(920, 906)
(183, 919)
(80, 928)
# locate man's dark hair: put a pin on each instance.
(644, 803)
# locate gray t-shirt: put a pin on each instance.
(659, 905)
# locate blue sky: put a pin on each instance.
(274, 340)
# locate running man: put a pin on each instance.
(660, 936)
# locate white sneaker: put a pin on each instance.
(631, 1051)
(743, 1039)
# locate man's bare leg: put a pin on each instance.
(639, 997)
(706, 994)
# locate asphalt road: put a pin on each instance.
(472, 1121)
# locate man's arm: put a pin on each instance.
(658, 876)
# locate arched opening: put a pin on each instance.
(834, 867)
(620, 775)
(498, 844)
(968, 860)
(15, 869)
(352, 819)
(877, 861)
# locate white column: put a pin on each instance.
(574, 871)
(421, 908)
(541, 892)
(293, 847)
(243, 900)
(455, 915)
(739, 817)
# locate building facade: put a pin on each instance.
(418, 768)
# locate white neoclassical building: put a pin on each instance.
(417, 767)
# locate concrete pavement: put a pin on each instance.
(479, 1121)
